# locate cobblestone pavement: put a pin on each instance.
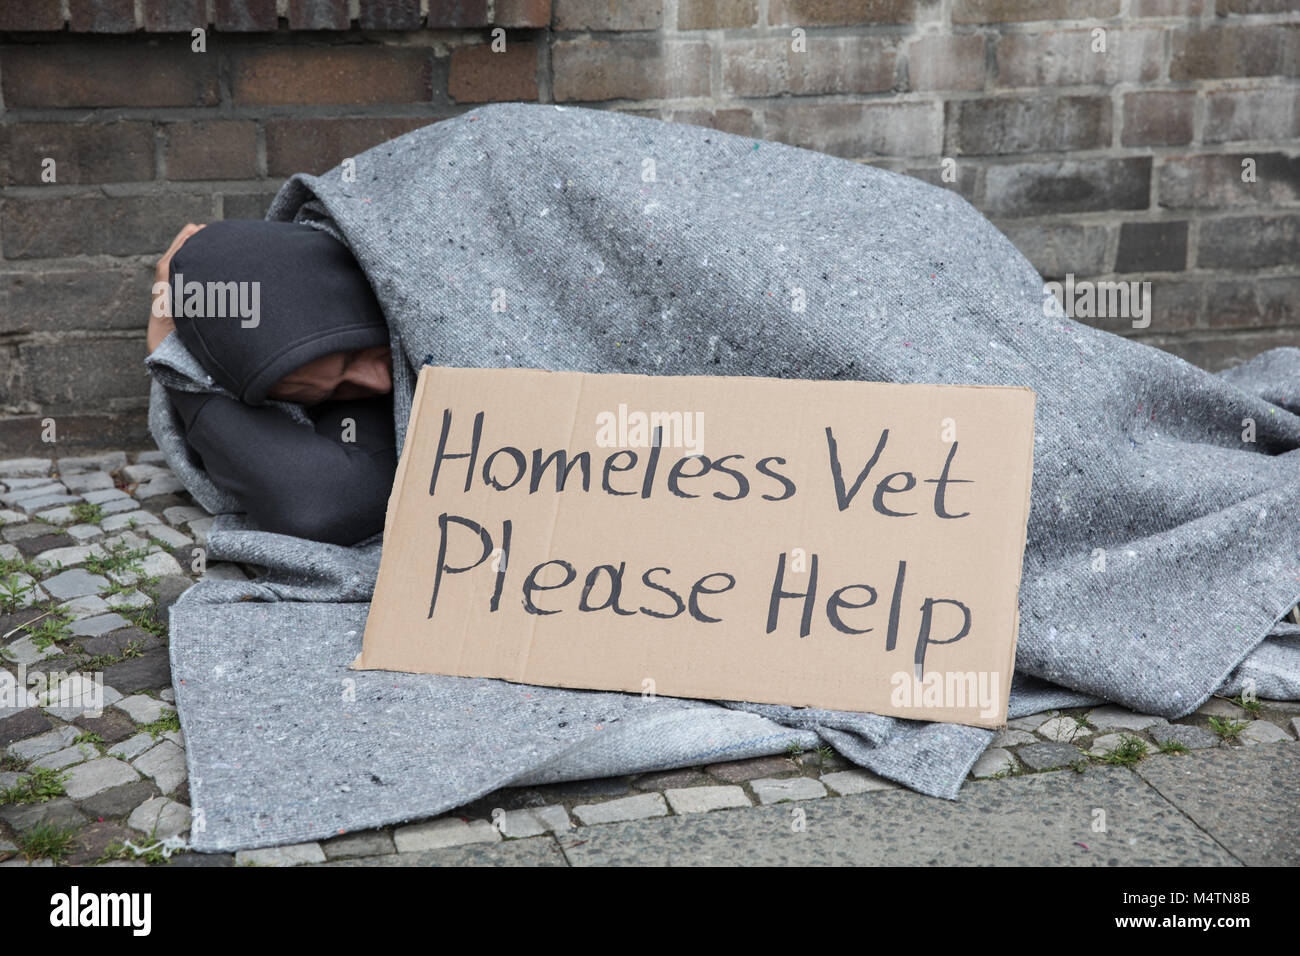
(94, 550)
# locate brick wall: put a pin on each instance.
(1124, 163)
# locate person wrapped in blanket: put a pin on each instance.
(309, 330)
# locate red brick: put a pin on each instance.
(317, 145)
(1222, 7)
(523, 13)
(85, 372)
(769, 67)
(126, 74)
(174, 16)
(335, 75)
(858, 130)
(82, 153)
(134, 225)
(245, 16)
(1006, 125)
(1224, 349)
(834, 13)
(738, 121)
(1066, 58)
(390, 15)
(1256, 50)
(101, 16)
(1249, 242)
(219, 149)
(593, 70)
(1019, 11)
(1066, 186)
(606, 15)
(716, 14)
(1267, 113)
(457, 14)
(1168, 8)
(937, 62)
(66, 299)
(318, 15)
(1056, 249)
(1158, 118)
(1211, 182)
(1254, 302)
(30, 15)
(480, 76)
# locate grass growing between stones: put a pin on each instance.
(1173, 747)
(119, 558)
(169, 721)
(40, 785)
(45, 840)
(86, 513)
(53, 628)
(13, 592)
(120, 851)
(1128, 753)
(1226, 727)
(1251, 706)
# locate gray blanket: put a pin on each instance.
(1162, 547)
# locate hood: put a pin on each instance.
(297, 294)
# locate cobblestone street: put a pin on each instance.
(96, 549)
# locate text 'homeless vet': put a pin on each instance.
(465, 544)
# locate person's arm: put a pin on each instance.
(160, 314)
(291, 479)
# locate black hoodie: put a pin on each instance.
(327, 483)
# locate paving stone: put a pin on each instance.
(33, 548)
(168, 695)
(992, 762)
(111, 726)
(1109, 742)
(1281, 706)
(88, 481)
(1049, 756)
(9, 552)
(133, 747)
(149, 671)
(820, 761)
(25, 652)
(100, 624)
(154, 565)
(103, 496)
(664, 779)
(59, 812)
(1013, 738)
(9, 516)
(151, 456)
(1111, 717)
(78, 753)
(25, 467)
(27, 586)
(517, 824)
(738, 771)
(57, 516)
(128, 599)
(772, 790)
(120, 800)
(705, 799)
(160, 818)
(165, 763)
(1063, 730)
(75, 583)
(600, 787)
(103, 462)
(294, 855)
(17, 533)
(202, 859)
(443, 833)
(1031, 722)
(180, 514)
(199, 527)
(128, 519)
(83, 533)
(93, 840)
(169, 536)
(1295, 726)
(34, 505)
(143, 472)
(80, 694)
(88, 605)
(20, 492)
(1263, 732)
(1219, 707)
(365, 843)
(143, 710)
(42, 744)
(1193, 738)
(625, 808)
(848, 782)
(162, 485)
(115, 643)
(91, 778)
(23, 725)
(118, 506)
(224, 571)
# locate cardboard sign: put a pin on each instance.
(845, 545)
